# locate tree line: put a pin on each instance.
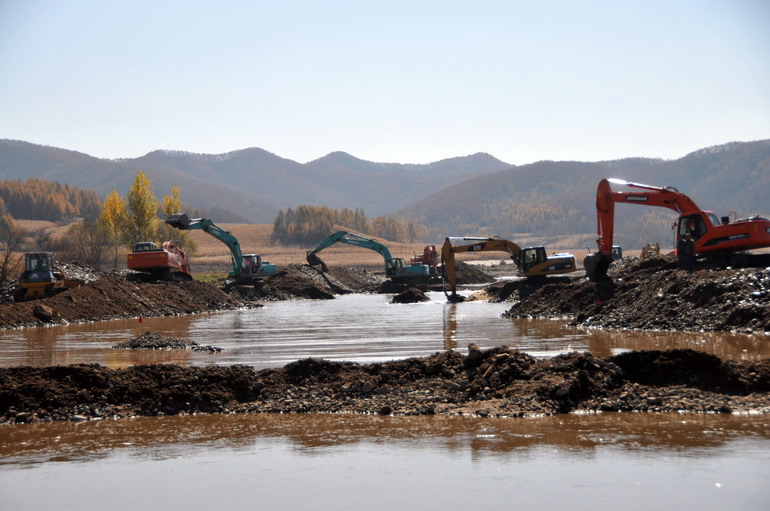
(307, 225)
(119, 222)
(37, 199)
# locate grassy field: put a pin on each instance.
(213, 256)
(255, 238)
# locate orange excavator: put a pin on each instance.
(717, 239)
(429, 256)
(168, 262)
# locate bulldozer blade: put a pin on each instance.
(179, 221)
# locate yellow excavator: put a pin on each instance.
(531, 261)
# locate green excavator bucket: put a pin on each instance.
(178, 221)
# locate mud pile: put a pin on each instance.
(411, 295)
(304, 281)
(471, 274)
(652, 294)
(114, 298)
(495, 382)
(155, 341)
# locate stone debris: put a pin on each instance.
(652, 294)
(155, 341)
(497, 382)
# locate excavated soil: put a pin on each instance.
(496, 382)
(155, 341)
(650, 294)
(304, 281)
(115, 298)
(115, 295)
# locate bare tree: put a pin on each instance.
(88, 241)
(11, 237)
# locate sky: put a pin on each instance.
(388, 81)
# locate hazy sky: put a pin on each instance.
(391, 81)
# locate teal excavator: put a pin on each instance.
(246, 267)
(396, 268)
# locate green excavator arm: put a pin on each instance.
(182, 222)
(394, 266)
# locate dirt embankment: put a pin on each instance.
(115, 298)
(651, 294)
(115, 295)
(304, 281)
(496, 382)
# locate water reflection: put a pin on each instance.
(361, 328)
(345, 462)
(450, 326)
(166, 437)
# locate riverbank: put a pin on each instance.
(498, 382)
(118, 295)
(649, 294)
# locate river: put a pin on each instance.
(360, 328)
(602, 461)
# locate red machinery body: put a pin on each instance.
(713, 236)
(147, 257)
(429, 256)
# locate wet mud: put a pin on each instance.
(650, 294)
(155, 341)
(497, 382)
(116, 295)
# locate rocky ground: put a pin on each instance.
(649, 294)
(496, 382)
(115, 298)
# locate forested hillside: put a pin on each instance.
(471, 195)
(253, 183)
(307, 225)
(36, 199)
(547, 199)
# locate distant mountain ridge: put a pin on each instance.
(546, 199)
(253, 183)
(470, 195)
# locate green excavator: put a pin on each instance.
(396, 268)
(246, 267)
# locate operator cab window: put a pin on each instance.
(694, 225)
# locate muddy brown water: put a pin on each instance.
(602, 461)
(361, 328)
(353, 462)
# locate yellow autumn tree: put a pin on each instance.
(142, 222)
(114, 217)
(172, 204)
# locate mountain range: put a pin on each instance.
(253, 183)
(476, 194)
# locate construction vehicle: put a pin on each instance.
(531, 262)
(41, 279)
(650, 250)
(429, 256)
(396, 268)
(245, 267)
(718, 240)
(168, 262)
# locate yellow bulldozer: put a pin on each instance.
(40, 279)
